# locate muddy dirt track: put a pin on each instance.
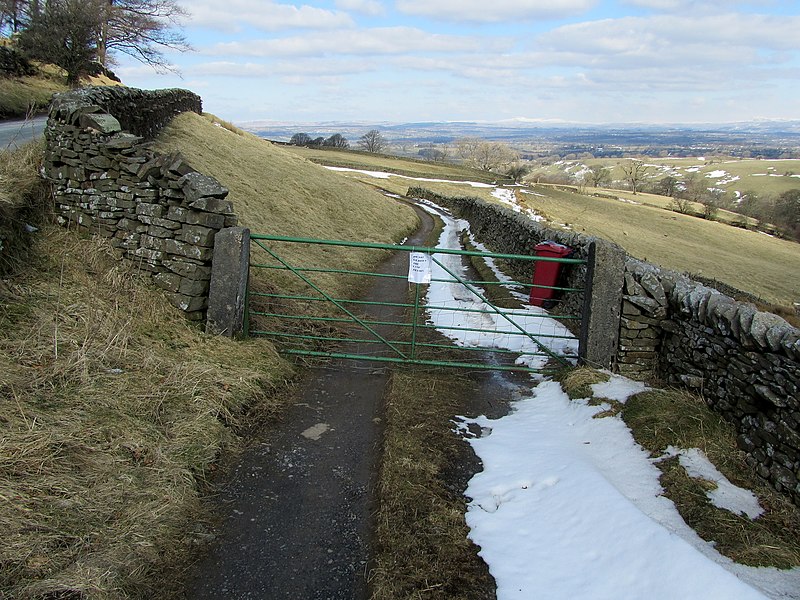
(297, 506)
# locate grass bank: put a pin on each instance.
(764, 266)
(662, 418)
(114, 409)
(422, 549)
(276, 192)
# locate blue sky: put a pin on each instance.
(589, 61)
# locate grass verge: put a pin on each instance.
(675, 418)
(113, 411)
(662, 418)
(24, 201)
(421, 544)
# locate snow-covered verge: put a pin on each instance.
(568, 506)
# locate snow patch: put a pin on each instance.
(725, 495)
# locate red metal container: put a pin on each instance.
(546, 273)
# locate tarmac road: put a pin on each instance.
(16, 133)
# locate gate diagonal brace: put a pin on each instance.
(332, 300)
(488, 303)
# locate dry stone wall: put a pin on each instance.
(157, 210)
(508, 232)
(744, 362)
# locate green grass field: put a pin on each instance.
(391, 164)
(751, 261)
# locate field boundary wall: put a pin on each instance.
(155, 208)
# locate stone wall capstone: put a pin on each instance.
(157, 210)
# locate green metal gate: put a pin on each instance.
(313, 309)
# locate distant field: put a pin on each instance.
(393, 164)
(730, 175)
(764, 266)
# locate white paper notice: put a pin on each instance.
(419, 267)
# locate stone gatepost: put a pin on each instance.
(227, 296)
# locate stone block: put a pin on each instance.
(100, 162)
(197, 186)
(100, 122)
(191, 217)
(160, 232)
(188, 270)
(183, 249)
(165, 223)
(149, 210)
(194, 287)
(196, 235)
(121, 141)
(228, 290)
(149, 254)
(652, 285)
(212, 205)
(168, 281)
(188, 303)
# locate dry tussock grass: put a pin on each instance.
(113, 410)
(577, 383)
(23, 200)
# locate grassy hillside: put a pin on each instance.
(277, 192)
(24, 96)
(764, 266)
(393, 164)
(731, 175)
(115, 409)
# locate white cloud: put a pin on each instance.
(232, 15)
(495, 11)
(367, 7)
(295, 68)
(685, 6)
(378, 41)
(692, 40)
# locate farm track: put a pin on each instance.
(297, 507)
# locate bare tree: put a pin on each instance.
(372, 141)
(517, 171)
(63, 32)
(13, 15)
(139, 28)
(635, 171)
(300, 139)
(485, 155)
(337, 140)
(598, 175)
